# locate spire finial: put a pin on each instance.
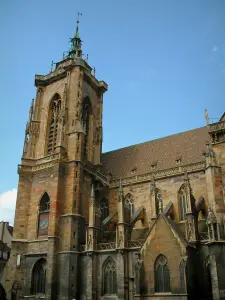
(77, 27)
(206, 117)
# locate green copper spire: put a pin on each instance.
(75, 50)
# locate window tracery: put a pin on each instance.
(110, 278)
(55, 108)
(130, 203)
(162, 275)
(182, 202)
(38, 277)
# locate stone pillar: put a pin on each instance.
(91, 231)
(89, 277)
(191, 227)
(120, 234)
(214, 278)
(120, 276)
(138, 268)
(152, 198)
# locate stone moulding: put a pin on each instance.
(200, 166)
(40, 164)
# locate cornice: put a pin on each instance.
(200, 166)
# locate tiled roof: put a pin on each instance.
(139, 159)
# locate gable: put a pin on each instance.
(162, 238)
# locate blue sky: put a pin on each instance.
(164, 62)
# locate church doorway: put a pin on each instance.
(15, 293)
(2, 293)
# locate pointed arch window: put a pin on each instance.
(158, 198)
(110, 278)
(182, 202)
(86, 112)
(53, 125)
(43, 218)
(130, 203)
(162, 275)
(38, 277)
(183, 276)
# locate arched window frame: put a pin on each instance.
(109, 277)
(86, 113)
(38, 279)
(53, 122)
(162, 275)
(158, 197)
(43, 214)
(182, 200)
(129, 201)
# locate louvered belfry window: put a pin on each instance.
(53, 123)
(162, 275)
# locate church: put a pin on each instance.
(142, 222)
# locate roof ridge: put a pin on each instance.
(126, 147)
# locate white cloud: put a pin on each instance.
(215, 49)
(8, 205)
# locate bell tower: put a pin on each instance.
(61, 155)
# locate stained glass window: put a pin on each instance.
(110, 278)
(162, 275)
(43, 215)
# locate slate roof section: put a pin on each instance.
(189, 146)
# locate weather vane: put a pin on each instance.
(78, 14)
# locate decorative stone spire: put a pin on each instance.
(160, 206)
(120, 191)
(211, 218)
(206, 117)
(213, 226)
(75, 50)
(152, 185)
(92, 199)
(31, 111)
(210, 156)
